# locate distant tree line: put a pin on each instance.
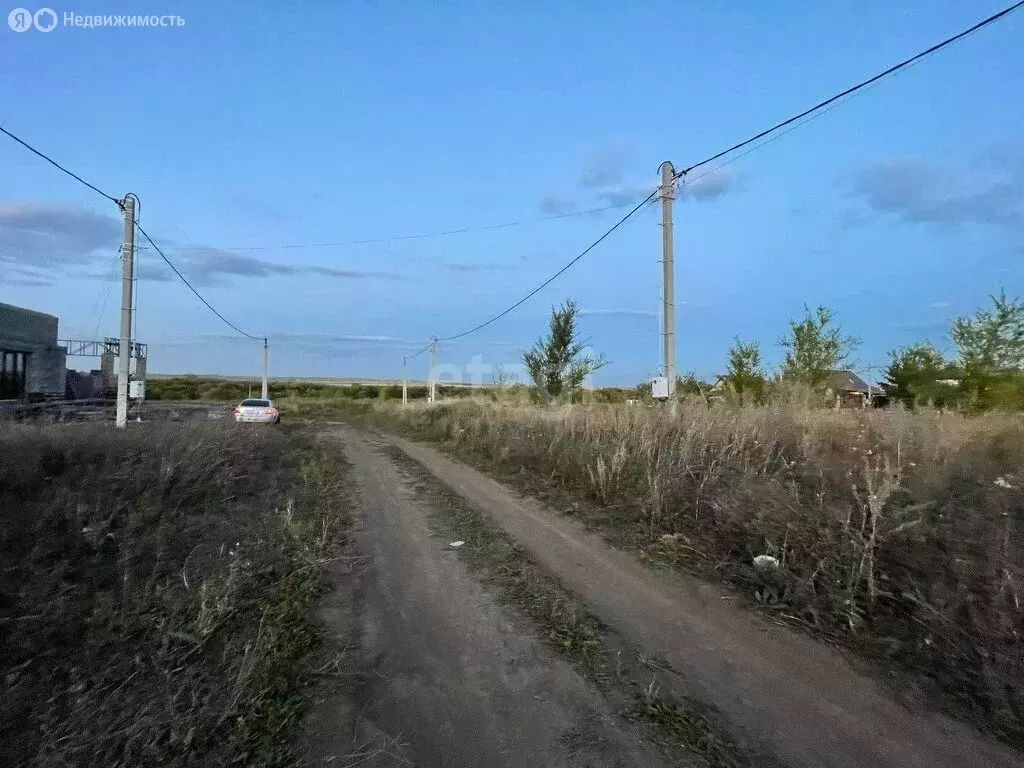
(986, 370)
(210, 389)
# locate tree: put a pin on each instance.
(992, 339)
(815, 347)
(558, 364)
(744, 374)
(914, 374)
(990, 347)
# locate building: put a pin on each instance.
(851, 391)
(31, 361)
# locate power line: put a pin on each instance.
(418, 352)
(60, 167)
(120, 205)
(863, 84)
(551, 279)
(192, 288)
(416, 236)
(790, 129)
(108, 278)
(768, 140)
(812, 113)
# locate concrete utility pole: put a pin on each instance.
(668, 296)
(125, 344)
(432, 388)
(264, 389)
(405, 383)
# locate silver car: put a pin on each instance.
(257, 411)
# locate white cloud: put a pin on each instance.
(710, 185)
(922, 191)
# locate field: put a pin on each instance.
(897, 534)
(160, 583)
(296, 394)
(215, 389)
(158, 591)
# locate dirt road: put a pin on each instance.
(452, 680)
(463, 686)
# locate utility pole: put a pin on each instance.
(405, 383)
(124, 349)
(264, 389)
(431, 384)
(668, 315)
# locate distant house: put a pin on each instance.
(851, 391)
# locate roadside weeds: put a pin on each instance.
(288, 631)
(641, 688)
(892, 534)
(159, 590)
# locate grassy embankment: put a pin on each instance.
(157, 600)
(899, 534)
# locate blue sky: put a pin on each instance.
(261, 124)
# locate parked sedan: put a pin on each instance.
(257, 411)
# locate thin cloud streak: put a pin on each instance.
(474, 266)
(618, 313)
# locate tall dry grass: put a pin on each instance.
(157, 592)
(901, 533)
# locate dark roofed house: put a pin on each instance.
(851, 391)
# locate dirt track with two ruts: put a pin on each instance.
(451, 677)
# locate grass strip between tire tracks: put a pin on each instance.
(643, 688)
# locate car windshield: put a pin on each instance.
(256, 403)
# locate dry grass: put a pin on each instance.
(157, 592)
(901, 534)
